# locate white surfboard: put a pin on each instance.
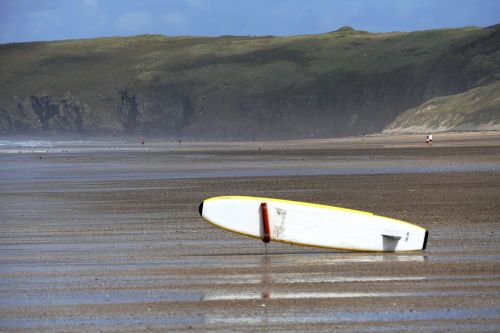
(301, 223)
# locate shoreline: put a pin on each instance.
(133, 139)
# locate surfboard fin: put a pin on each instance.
(392, 237)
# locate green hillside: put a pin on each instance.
(341, 83)
(476, 109)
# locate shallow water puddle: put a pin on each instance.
(226, 296)
(273, 318)
(166, 295)
(342, 316)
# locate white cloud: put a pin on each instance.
(43, 21)
(196, 4)
(134, 22)
(43, 16)
(90, 3)
(96, 16)
(173, 19)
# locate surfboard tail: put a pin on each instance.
(425, 239)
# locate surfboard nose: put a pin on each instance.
(200, 209)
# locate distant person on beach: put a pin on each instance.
(428, 139)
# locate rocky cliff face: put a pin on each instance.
(41, 112)
(341, 83)
(129, 110)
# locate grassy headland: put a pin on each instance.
(345, 82)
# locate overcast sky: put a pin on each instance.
(30, 20)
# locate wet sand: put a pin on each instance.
(107, 236)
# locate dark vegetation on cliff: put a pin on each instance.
(346, 82)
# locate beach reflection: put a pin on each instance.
(271, 283)
(267, 278)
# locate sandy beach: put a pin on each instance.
(106, 236)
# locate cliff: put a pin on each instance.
(345, 82)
